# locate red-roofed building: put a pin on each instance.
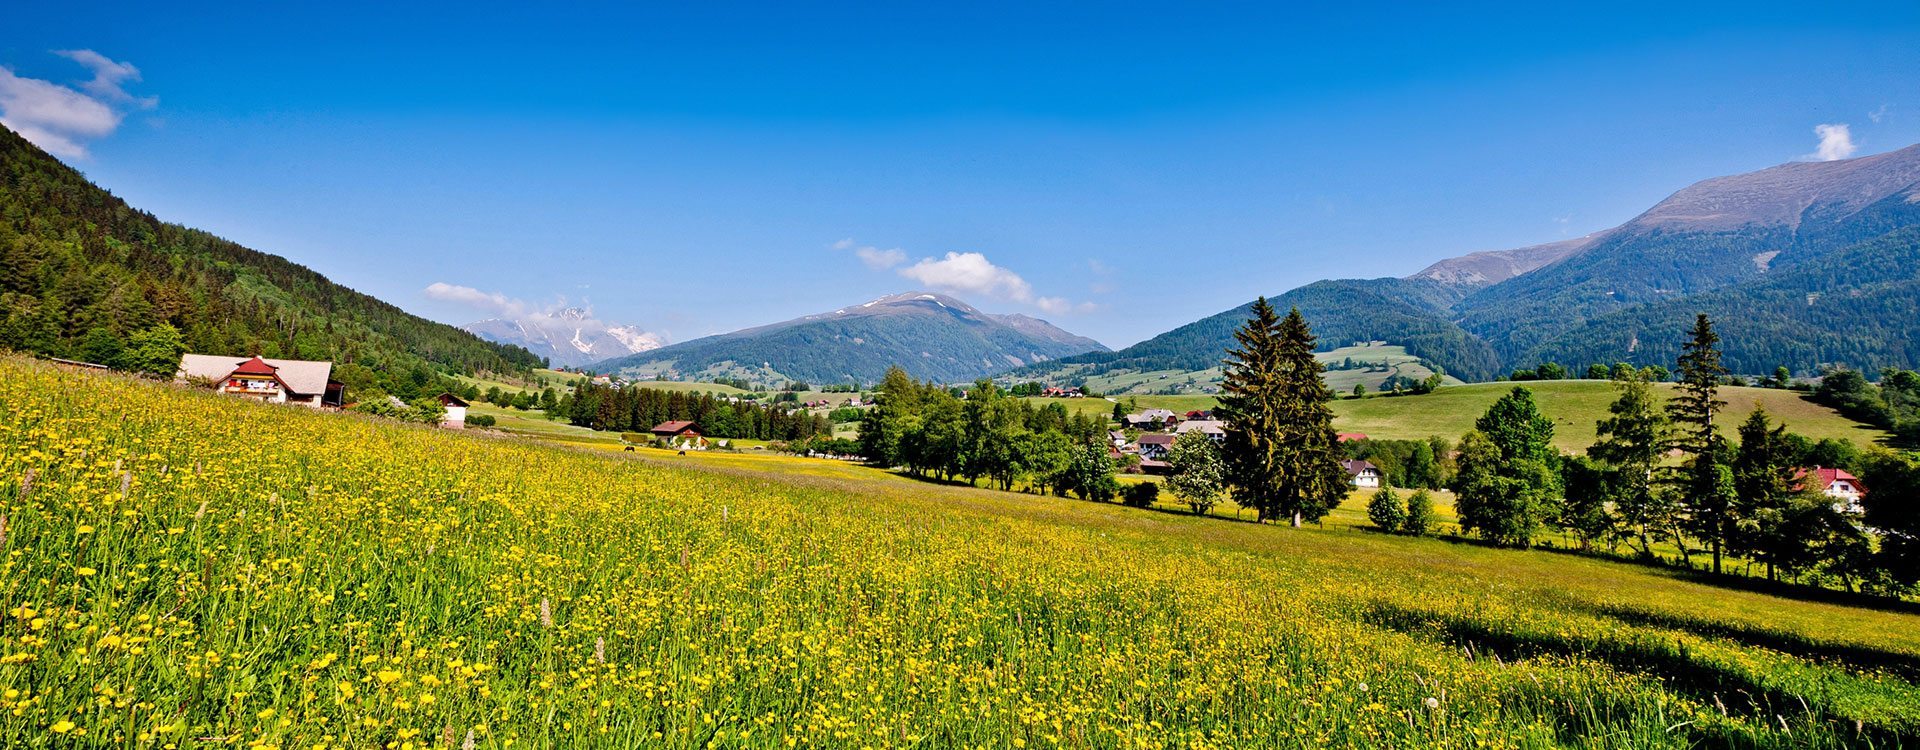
(1838, 484)
(1348, 437)
(679, 434)
(272, 380)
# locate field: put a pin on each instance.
(185, 569)
(1575, 406)
(1183, 382)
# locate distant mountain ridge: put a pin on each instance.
(931, 335)
(572, 337)
(1739, 247)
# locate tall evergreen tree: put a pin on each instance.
(1631, 443)
(1763, 484)
(1281, 449)
(1704, 482)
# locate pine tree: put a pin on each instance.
(1281, 447)
(1704, 482)
(1763, 482)
(1631, 443)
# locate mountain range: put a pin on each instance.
(570, 337)
(933, 336)
(1805, 265)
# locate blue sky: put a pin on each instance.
(1120, 169)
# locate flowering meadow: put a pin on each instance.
(186, 570)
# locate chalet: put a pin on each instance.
(1155, 447)
(1117, 438)
(1212, 428)
(279, 381)
(1838, 484)
(1365, 475)
(1152, 419)
(679, 434)
(456, 417)
(1052, 392)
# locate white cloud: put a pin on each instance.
(875, 258)
(1836, 142)
(1879, 114)
(967, 275)
(61, 119)
(109, 77)
(493, 302)
(970, 273)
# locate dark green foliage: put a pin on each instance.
(1856, 306)
(82, 274)
(1508, 482)
(1386, 511)
(1281, 452)
(635, 408)
(1893, 506)
(1704, 483)
(480, 420)
(925, 429)
(1142, 495)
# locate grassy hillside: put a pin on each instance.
(357, 583)
(1121, 382)
(1575, 406)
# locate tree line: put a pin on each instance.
(636, 408)
(986, 432)
(1666, 478)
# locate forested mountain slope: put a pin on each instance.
(83, 275)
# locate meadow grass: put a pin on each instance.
(1575, 406)
(182, 569)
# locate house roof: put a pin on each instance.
(300, 376)
(254, 366)
(671, 428)
(448, 399)
(1208, 426)
(1156, 439)
(1358, 466)
(1828, 476)
(1346, 437)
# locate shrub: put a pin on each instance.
(1419, 516)
(480, 420)
(1386, 511)
(1141, 495)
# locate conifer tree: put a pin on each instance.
(1281, 448)
(1631, 442)
(1705, 483)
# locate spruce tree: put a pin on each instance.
(1704, 482)
(1281, 447)
(1631, 443)
(1248, 404)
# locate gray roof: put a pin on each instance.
(301, 376)
(1208, 426)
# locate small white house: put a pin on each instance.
(1365, 475)
(1839, 484)
(456, 417)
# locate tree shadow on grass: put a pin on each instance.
(1664, 659)
(1731, 581)
(1855, 657)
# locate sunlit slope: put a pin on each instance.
(184, 566)
(1575, 406)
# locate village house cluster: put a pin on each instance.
(1157, 429)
